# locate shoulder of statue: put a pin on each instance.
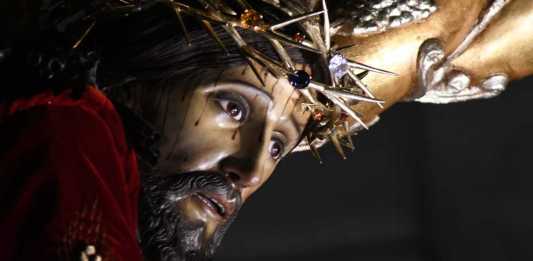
(363, 17)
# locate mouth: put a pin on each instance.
(207, 192)
(212, 203)
(221, 205)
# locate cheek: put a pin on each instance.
(177, 115)
(197, 135)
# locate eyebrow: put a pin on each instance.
(263, 92)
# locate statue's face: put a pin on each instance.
(222, 137)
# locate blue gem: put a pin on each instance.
(299, 79)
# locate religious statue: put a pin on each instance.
(136, 129)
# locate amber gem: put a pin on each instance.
(250, 19)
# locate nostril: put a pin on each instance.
(242, 172)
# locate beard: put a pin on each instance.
(165, 233)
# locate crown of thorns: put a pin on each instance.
(329, 102)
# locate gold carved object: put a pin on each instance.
(471, 49)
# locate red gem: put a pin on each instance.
(343, 117)
(318, 115)
(298, 37)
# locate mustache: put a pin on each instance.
(186, 184)
(163, 233)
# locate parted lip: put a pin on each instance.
(223, 205)
(213, 204)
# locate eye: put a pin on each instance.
(233, 104)
(275, 148)
(233, 109)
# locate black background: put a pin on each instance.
(428, 182)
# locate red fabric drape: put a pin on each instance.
(67, 179)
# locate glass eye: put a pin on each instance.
(233, 109)
(275, 149)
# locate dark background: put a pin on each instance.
(428, 182)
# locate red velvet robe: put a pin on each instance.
(67, 180)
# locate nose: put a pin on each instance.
(244, 172)
(246, 165)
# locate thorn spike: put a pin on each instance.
(345, 108)
(182, 25)
(283, 38)
(308, 96)
(282, 53)
(220, 5)
(362, 85)
(274, 67)
(351, 96)
(349, 136)
(82, 38)
(365, 67)
(334, 138)
(244, 4)
(362, 75)
(342, 48)
(214, 35)
(327, 35)
(245, 51)
(295, 20)
(256, 72)
(314, 150)
(235, 35)
(337, 93)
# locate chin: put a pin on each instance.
(185, 216)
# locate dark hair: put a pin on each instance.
(147, 46)
(151, 46)
(144, 46)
